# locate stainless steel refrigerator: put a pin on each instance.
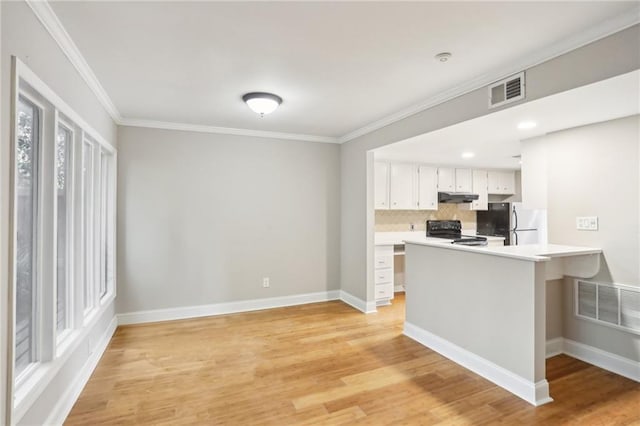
(517, 225)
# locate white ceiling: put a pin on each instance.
(338, 65)
(495, 138)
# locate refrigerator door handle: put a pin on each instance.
(515, 219)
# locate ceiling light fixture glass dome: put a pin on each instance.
(261, 102)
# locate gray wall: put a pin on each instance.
(594, 171)
(203, 217)
(23, 36)
(576, 68)
(496, 316)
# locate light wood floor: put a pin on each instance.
(323, 363)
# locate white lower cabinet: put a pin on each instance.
(383, 274)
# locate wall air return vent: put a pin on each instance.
(615, 305)
(505, 91)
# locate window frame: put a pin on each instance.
(54, 349)
(69, 126)
(25, 374)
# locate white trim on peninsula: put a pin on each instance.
(534, 393)
(186, 312)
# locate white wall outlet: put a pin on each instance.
(265, 282)
(587, 223)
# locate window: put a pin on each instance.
(87, 223)
(105, 254)
(26, 208)
(62, 163)
(63, 230)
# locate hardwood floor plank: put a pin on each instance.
(317, 364)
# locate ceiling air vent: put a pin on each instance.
(505, 91)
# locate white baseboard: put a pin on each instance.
(184, 312)
(398, 288)
(532, 392)
(64, 405)
(356, 302)
(603, 359)
(554, 347)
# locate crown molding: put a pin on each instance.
(166, 125)
(50, 20)
(590, 35)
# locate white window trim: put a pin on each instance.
(29, 385)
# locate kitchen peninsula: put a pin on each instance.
(484, 307)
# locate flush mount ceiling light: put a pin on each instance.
(525, 125)
(443, 56)
(468, 154)
(262, 103)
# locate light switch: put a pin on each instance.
(587, 223)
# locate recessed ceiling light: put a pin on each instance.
(468, 154)
(525, 125)
(443, 56)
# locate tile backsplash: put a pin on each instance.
(400, 220)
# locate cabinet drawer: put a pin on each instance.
(383, 276)
(384, 291)
(384, 262)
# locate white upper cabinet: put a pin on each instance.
(427, 188)
(463, 180)
(501, 182)
(479, 187)
(509, 182)
(402, 187)
(381, 185)
(446, 180)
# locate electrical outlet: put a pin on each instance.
(587, 223)
(412, 227)
(265, 282)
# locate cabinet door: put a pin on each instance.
(427, 188)
(494, 182)
(446, 180)
(463, 180)
(381, 184)
(508, 182)
(402, 194)
(479, 186)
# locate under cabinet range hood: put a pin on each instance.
(456, 197)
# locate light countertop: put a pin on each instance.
(532, 252)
